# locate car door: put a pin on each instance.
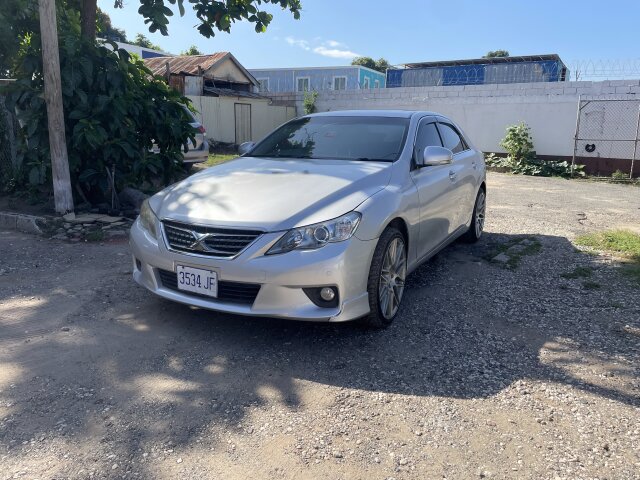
(462, 172)
(436, 191)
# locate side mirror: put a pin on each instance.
(245, 147)
(436, 156)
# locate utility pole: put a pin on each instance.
(62, 192)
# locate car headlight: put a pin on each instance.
(148, 219)
(318, 235)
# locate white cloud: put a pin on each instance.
(327, 48)
(335, 44)
(298, 43)
(334, 52)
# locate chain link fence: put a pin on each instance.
(607, 130)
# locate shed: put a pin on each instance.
(197, 74)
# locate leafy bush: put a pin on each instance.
(310, 102)
(115, 111)
(521, 157)
(619, 176)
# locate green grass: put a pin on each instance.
(590, 285)
(578, 272)
(531, 247)
(621, 243)
(218, 158)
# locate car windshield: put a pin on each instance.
(343, 138)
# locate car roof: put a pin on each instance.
(373, 113)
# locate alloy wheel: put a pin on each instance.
(392, 278)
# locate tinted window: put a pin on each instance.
(450, 138)
(427, 137)
(345, 138)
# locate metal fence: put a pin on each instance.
(608, 130)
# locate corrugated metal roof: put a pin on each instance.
(185, 64)
(228, 92)
(486, 61)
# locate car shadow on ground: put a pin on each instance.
(468, 329)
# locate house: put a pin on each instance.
(217, 74)
(351, 77)
(479, 71)
(225, 95)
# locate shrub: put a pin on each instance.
(115, 111)
(521, 157)
(310, 102)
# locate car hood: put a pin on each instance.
(271, 194)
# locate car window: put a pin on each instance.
(340, 137)
(451, 138)
(427, 137)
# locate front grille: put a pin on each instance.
(210, 241)
(230, 292)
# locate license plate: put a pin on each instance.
(197, 280)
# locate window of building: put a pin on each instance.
(339, 83)
(302, 84)
(365, 83)
(264, 84)
(376, 84)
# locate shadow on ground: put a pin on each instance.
(103, 359)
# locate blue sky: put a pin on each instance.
(330, 32)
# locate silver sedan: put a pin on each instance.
(322, 220)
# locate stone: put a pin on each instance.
(69, 217)
(83, 219)
(501, 258)
(109, 219)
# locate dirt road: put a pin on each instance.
(487, 371)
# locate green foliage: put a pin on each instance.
(115, 112)
(578, 272)
(622, 243)
(619, 177)
(380, 65)
(309, 102)
(143, 41)
(192, 50)
(496, 54)
(218, 15)
(521, 157)
(107, 30)
(518, 142)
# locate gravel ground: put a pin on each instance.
(488, 371)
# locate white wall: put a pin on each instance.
(484, 111)
(217, 114)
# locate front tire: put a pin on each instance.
(477, 219)
(386, 278)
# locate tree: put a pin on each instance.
(143, 41)
(192, 50)
(497, 54)
(218, 15)
(380, 65)
(107, 30)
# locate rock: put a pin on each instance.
(116, 233)
(69, 217)
(132, 197)
(501, 258)
(109, 219)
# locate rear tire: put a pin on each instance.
(477, 219)
(386, 278)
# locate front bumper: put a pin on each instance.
(281, 278)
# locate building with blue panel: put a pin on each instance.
(351, 77)
(480, 71)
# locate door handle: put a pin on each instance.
(452, 175)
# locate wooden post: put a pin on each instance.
(62, 192)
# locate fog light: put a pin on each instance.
(327, 294)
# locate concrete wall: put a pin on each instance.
(217, 114)
(484, 111)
